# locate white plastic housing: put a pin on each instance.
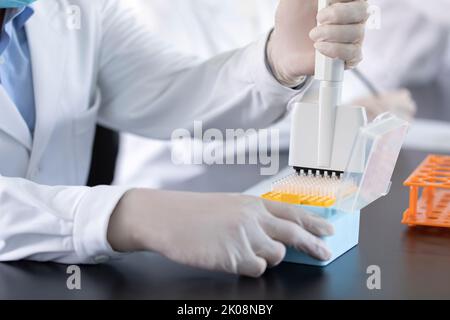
(328, 69)
(329, 97)
(330, 73)
(304, 149)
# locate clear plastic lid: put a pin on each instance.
(381, 142)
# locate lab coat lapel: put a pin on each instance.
(48, 57)
(12, 122)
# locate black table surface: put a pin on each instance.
(414, 263)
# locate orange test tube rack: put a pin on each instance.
(429, 197)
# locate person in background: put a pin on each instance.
(411, 49)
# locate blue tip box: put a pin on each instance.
(346, 235)
(380, 142)
(346, 228)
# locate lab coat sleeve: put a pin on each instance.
(149, 89)
(61, 224)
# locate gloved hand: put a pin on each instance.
(292, 45)
(224, 232)
(398, 102)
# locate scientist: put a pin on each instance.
(187, 25)
(59, 79)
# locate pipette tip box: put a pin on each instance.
(346, 235)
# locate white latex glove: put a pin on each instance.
(224, 232)
(293, 43)
(398, 102)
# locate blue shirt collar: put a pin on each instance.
(18, 16)
(14, 19)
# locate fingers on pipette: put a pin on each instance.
(351, 12)
(314, 224)
(353, 63)
(294, 236)
(351, 53)
(353, 33)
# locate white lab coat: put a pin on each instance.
(187, 24)
(112, 71)
(207, 27)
